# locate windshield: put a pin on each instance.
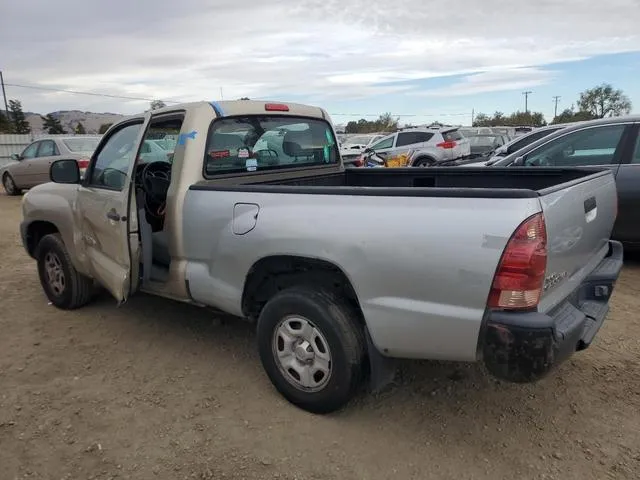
(81, 144)
(267, 142)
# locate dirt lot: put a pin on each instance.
(157, 389)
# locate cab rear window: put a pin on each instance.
(268, 142)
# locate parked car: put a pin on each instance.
(524, 140)
(426, 147)
(484, 144)
(31, 167)
(497, 266)
(611, 143)
(353, 146)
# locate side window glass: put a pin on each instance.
(405, 139)
(112, 162)
(636, 153)
(161, 139)
(47, 149)
(30, 151)
(591, 146)
(386, 143)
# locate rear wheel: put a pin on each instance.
(424, 162)
(9, 185)
(312, 347)
(64, 286)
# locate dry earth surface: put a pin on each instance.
(158, 389)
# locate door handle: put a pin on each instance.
(115, 216)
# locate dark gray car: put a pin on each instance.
(611, 143)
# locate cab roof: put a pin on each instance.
(229, 108)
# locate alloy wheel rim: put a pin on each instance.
(54, 273)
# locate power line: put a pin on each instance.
(93, 94)
(124, 97)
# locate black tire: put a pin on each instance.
(424, 162)
(77, 289)
(338, 322)
(9, 185)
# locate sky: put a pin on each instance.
(417, 59)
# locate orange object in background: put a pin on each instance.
(398, 161)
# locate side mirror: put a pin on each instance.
(518, 162)
(65, 171)
(16, 156)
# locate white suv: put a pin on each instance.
(426, 146)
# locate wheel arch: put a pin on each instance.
(271, 274)
(36, 231)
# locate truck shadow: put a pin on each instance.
(441, 401)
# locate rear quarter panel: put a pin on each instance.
(421, 267)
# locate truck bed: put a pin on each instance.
(507, 182)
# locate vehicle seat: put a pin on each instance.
(160, 248)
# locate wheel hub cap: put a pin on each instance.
(302, 353)
(54, 273)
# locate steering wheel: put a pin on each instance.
(156, 178)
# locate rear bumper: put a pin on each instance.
(524, 347)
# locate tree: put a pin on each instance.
(52, 125)
(482, 120)
(104, 127)
(603, 101)
(384, 123)
(156, 104)
(245, 98)
(534, 119)
(80, 130)
(5, 124)
(17, 118)
(569, 115)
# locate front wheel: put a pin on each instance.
(312, 348)
(64, 286)
(9, 185)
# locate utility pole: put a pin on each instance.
(221, 96)
(555, 109)
(473, 114)
(526, 100)
(4, 95)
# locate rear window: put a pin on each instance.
(409, 138)
(268, 142)
(452, 136)
(81, 144)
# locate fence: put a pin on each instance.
(10, 144)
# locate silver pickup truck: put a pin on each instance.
(343, 270)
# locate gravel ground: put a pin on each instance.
(158, 389)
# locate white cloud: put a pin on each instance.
(494, 81)
(319, 49)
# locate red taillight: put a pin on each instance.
(519, 280)
(276, 107)
(83, 163)
(447, 145)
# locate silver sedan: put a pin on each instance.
(31, 167)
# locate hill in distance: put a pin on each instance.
(71, 118)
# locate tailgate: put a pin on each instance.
(579, 217)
